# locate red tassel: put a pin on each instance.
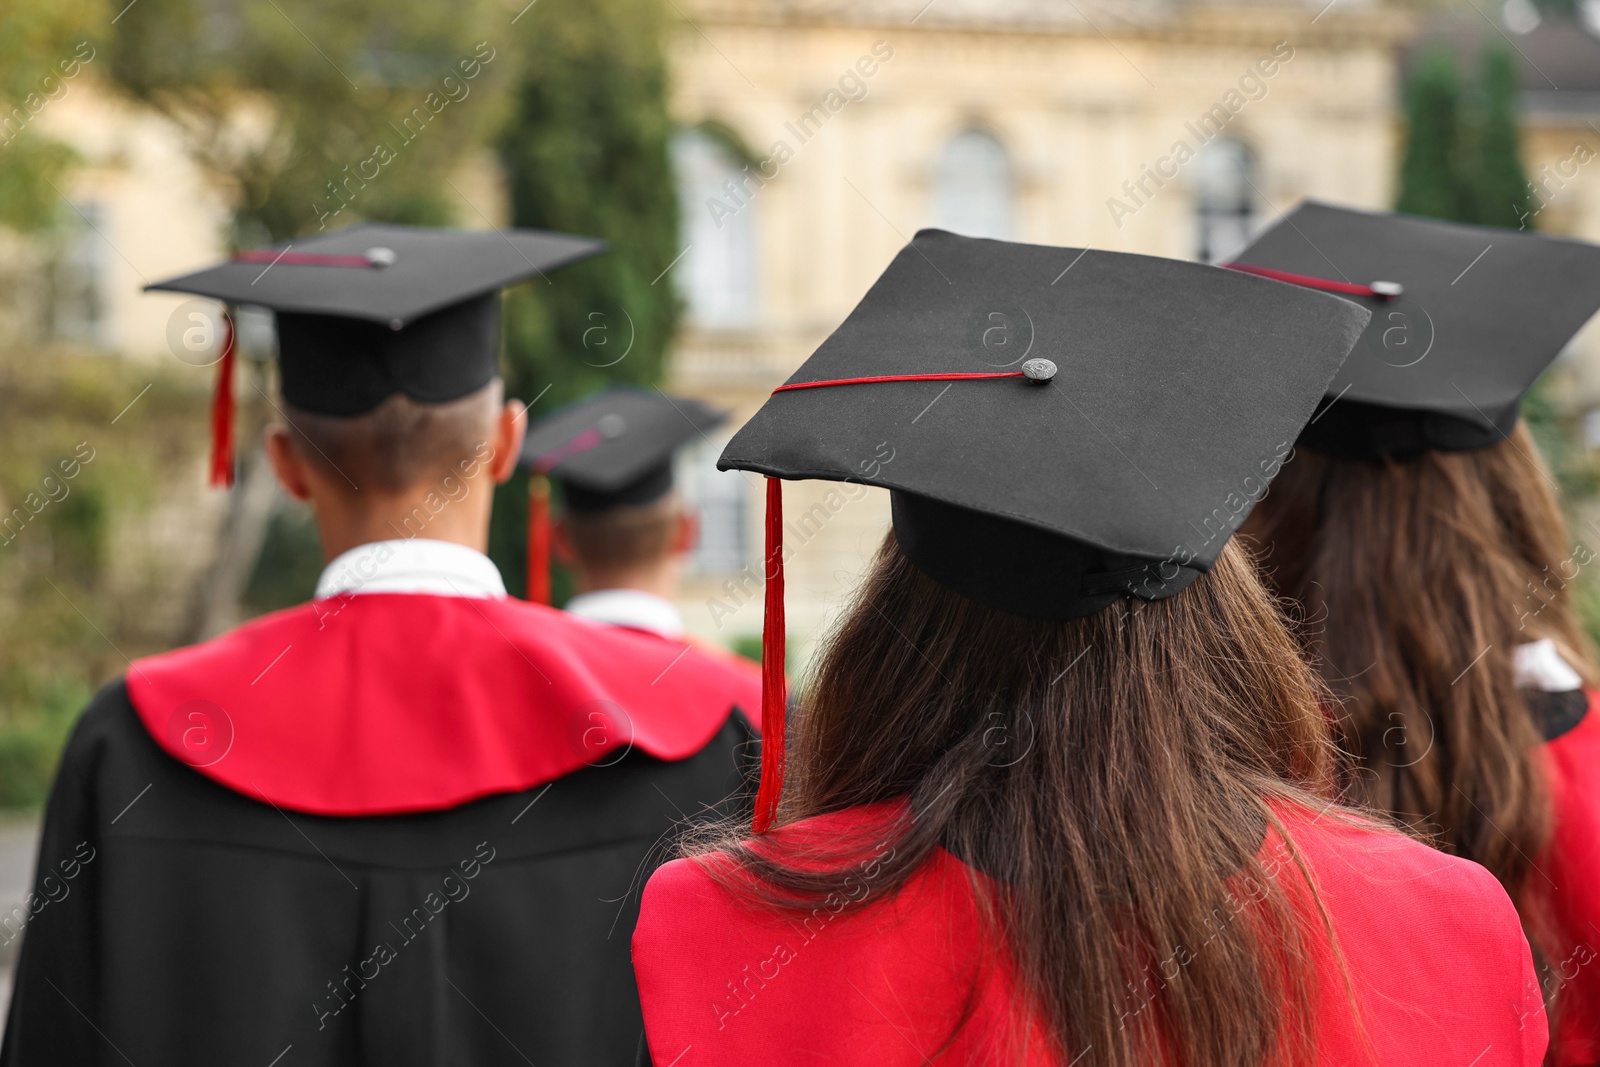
(538, 539)
(222, 412)
(774, 687)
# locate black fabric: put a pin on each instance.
(341, 366)
(207, 928)
(1483, 312)
(615, 449)
(1180, 390)
(1556, 713)
(979, 556)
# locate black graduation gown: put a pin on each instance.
(203, 927)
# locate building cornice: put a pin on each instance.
(1212, 24)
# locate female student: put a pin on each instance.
(1057, 791)
(1421, 537)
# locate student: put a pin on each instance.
(1422, 538)
(624, 531)
(402, 823)
(1057, 792)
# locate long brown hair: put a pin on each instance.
(1112, 774)
(1418, 579)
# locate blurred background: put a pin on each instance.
(754, 165)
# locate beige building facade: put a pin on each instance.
(821, 138)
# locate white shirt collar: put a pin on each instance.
(1539, 666)
(629, 607)
(412, 565)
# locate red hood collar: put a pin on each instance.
(386, 703)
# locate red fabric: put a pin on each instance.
(1569, 871)
(388, 702)
(1439, 970)
(1307, 280)
(538, 539)
(222, 412)
(898, 378)
(774, 686)
(302, 259)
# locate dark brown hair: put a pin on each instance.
(1112, 773)
(1417, 580)
(401, 443)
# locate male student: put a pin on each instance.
(624, 531)
(404, 823)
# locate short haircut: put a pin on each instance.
(624, 537)
(401, 443)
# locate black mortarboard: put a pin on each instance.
(1464, 319)
(1175, 393)
(614, 449)
(376, 309)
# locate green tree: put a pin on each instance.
(1431, 181)
(44, 47)
(1499, 186)
(314, 115)
(1461, 159)
(586, 150)
(87, 447)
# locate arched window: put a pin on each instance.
(717, 274)
(973, 186)
(1224, 199)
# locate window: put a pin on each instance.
(1224, 199)
(717, 274)
(718, 499)
(77, 276)
(973, 187)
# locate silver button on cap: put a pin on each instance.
(1038, 370)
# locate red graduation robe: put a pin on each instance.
(1569, 871)
(1438, 964)
(386, 828)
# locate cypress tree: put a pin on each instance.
(1430, 169)
(1499, 185)
(586, 150)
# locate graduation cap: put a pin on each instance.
(614, 449)
(1464, 318)
(1058, 428)
(374, 310)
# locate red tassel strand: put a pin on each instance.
(538, 539)
(774, 686)
(222, 412)
(899, 378)
(1310, 282)
(303, 259)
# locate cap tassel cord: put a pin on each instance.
(307, 259)
(774, 687)
(898, 378)
(538, 588)
(222, 412)
(1384, 290)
